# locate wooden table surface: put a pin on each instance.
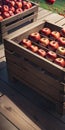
(21, 108)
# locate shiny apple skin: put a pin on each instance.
(26, 42)
(45, 31)
(33, 48)
(51, 55)
(61, 41)
(44, 41)
(61, 50)
(42, 52)
(60, 62)
(35, 36)
(53, 45)
(55, 34)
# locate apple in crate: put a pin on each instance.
(60, 61)
(42, 52)
(62, 41)
(61, 50)
(5, 8)
(18, 4)
(45, 31)
(44, 41)
(26, 42)
(51, 55)
(35, 36)
(55, 34)
(6, 15)
(34, 48)
(53, 45)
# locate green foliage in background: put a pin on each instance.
(58, 6)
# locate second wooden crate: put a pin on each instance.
(17, 21)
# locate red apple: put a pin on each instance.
(5, 8)
(35, 36)
(6, 15)
(26, 5)
(19, 10)
(12, 3)
(18, 4)
(51, 1)
(11, 13)
(24, 2)
(60, 61)
(55, 34)
(62, 41)
(61, 50)
(53, 45)
(45, 31)
(12, 9)
(44, 41)
(30, 4)
(51, 55)
(26, 42)
(33, 48)
(1, 18)
(41, 52)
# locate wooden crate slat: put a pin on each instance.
(7, 125)
(21, 62)
(17, 24)
(43, 13)
(35, 82)
(54, 18)
(61, 23)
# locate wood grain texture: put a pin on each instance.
(6, 124)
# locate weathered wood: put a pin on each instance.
(54, 18)
(37, 113)
(5, 124)
(23, 97)
(16, 116)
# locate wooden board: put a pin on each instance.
(5, 124)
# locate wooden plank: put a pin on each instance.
(27, 77)
(41, 117)
(1, 46)
(53, 18)
(61, 22)
(5, 124)
(2, 53)
(15, 115)
(43, 13)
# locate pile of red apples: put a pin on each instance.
(10, 8)
(48, 44)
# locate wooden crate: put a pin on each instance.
(17, 21)
(37, 72)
